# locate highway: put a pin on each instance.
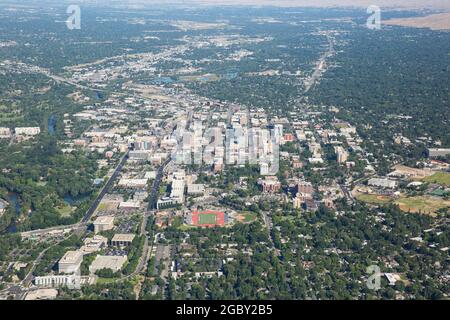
(318, 71)
(105, 189)
(38, 232)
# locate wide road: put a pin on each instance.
(348, 195)
(154, 193)
(144, 254)
(105, 189)
(269, 225)
(38, 232)
(318, 71)
(145, 250)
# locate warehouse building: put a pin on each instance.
(115, 263)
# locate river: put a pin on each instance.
(51, 124)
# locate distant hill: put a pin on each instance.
(434, 22)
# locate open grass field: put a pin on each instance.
(107, 206)
(203, 78)
(207, 218)
(442, 178)
(185, 227)
(373, 199)
(422, 204)
(290, 218)
(65, 211)
(249, 216)
(246, 217)
(106, 280)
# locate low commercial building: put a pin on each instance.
(70, 262)
(129, 205)
(5, 133)
(140, 196)
(208, 274)
(392, 278)
(56, 280)
(94, 244)
(382, 183)
(19, 265)
(143, 155)
(315, 160)
(438, 152)
(73, 281)
(133, 183)
(103, 223)
(195, 189)
(150, 175)
(27, 131)
(122, 239)
(115, 263)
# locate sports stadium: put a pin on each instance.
(209, 218)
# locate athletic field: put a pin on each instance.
(208, 218)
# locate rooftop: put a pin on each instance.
(104, 220)
(71, 257)
(108, 262)
(118, 237)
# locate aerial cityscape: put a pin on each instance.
(199, 150)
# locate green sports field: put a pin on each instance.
(206, 218)
(442, 178)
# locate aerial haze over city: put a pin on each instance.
(224, 150)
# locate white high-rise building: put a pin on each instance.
(341, 154)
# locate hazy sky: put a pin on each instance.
(360, 3)
(433, 4)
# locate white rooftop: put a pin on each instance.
(104, 220)
(71, 257)
(123, 237)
